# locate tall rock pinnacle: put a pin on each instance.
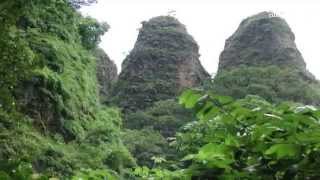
(164, 61)
(261, 58)
(260, 40)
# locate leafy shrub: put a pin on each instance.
(90, 31)
(158, 174)
(78, 3)
(250, 138)
(145, 144)
(165, 116)
(244, 139)
(272, 83)
(89, 174)
(16, 62)
(153, 130)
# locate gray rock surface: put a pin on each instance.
(262, 39)
(107, 74)
(164, 61)
(261, 58)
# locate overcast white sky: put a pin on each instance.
(209, 22)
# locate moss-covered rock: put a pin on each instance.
(107, 74)
(164, 61)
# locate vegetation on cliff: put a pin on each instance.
(50, 114)
(150, 132)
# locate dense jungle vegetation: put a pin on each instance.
(54, 123)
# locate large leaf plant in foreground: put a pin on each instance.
(249, 139)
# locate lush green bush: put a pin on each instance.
(79, 3)
(158, 174)
(145, 144)
(165, 116)
(91, 31)
(247, 139)
(152, 131)
(272, 83)
(101, 147)
(16, 58)
(90, 174)
(250, 138)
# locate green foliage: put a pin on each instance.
(250, 138)
(60, 89)
(139, 90)
(244, 139)
(165, 116)
(78, 3)
(90, 31)
(16, 170)
(56, 122)
(272, 83)
(153, 130)
(145, 144)
(100, 149)
(89, 174)
(159, 174)
(16, 58)
(53, 125)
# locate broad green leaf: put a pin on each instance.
(188, 157)
(213, 112)
(203, 109)
(232, 141)
(214, 155)
(310, 137)
(223, 100)
(283, 150)
(189, 98)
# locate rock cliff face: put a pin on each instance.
(261, 39)
(107, 74)
(164, 61)
(261, 58)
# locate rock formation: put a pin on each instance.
(261, 40)
(261, 58)
(107, 74)
(164, 61)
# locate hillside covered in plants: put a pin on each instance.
(52, 121)
(65, 113)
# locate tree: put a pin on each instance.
(78, 3)
(91, 31)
